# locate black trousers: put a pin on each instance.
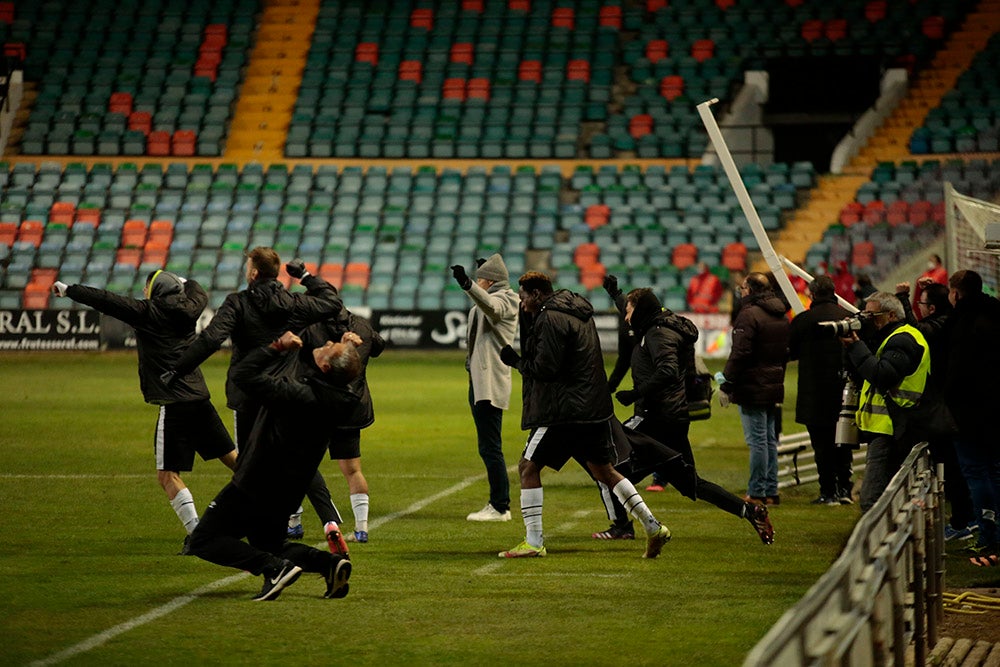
(234, 515)
(833, 463)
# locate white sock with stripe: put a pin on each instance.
(636, 506)
(531, 510)
(359, 503)
(183, 504)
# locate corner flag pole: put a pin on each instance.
(722, 150)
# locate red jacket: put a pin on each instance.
(704, 293)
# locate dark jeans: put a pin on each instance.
(884, 457)
(833, 463)
(234, 515)
(489, 424)
(981, 467)
(956, 490)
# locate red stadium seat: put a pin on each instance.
(62, 212)
(530, 70)
(684, 255)
(411, 70)
(563, 17)
(31, 231)
(672, 87)
(657, 50)
(461, 52)
(702, 50)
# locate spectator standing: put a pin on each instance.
(896, 371)
(492, 323)
(934, 310)
(971, 395)
(704, 291)
(935, 273)
(567, 406)
(863, 289)
(843, 282)
(754, 379)
(820, 390)
(164, 325)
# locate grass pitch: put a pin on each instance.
(88, 573)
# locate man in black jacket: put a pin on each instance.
(567, 406)
(345, 437)
(754, 378)
(303, 392)
(821, 388)
(256, 316)
(164, 325)
(663, 362)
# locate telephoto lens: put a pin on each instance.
(847, 426)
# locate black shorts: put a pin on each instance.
(185, 428)
(553, 445)
(345, 444)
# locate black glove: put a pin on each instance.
(461, 277)
(627, 396)
(509, 357)
(611, 285)
(169, 377)
(296, 269)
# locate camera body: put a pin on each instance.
(845, 326)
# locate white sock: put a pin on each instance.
(295, 519)
(183, 504)
(636, 506)
(531, 510)
(359, 503)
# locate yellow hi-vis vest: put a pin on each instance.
(872, 415)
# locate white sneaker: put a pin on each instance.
(489, 513)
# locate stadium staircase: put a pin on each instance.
(891, 141)
(274, 74)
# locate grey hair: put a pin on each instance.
(888, 303)
(345, 366)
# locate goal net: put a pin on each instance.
(965, 224)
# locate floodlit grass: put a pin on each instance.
(87, 542)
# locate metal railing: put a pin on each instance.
(883, 594)
(797, 460)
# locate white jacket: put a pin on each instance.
(493, 317)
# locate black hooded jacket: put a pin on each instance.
(662, 361)
(256, 316)
(562, 367)
(821, 362)
(164, 325)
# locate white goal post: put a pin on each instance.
(966, 220)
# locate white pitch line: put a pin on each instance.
(178, 602)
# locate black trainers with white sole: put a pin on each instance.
(277, 580)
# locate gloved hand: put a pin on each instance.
(627, 396)
(296, 269)
(480, 261)
(720, 378)
(168, 377)
(509, 357)
(59, 288)
(461, 277)
(611, 284)
(724, 399)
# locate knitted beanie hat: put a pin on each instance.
(493, 269)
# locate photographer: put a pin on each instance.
(821, 385)
(897, 372)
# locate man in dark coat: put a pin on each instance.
(164, 324)
(754, 379)
(971, 395)
(567, 406)
(256, 316)
(303, 392)
(345, 438)
(821, 385)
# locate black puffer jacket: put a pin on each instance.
(821, 362)
(256, 316)
(661, 363)
(755, 371)
(164, 326)
(562, 366)
(973, 368)
(371, 346)
(290, 435)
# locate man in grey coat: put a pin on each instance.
(491, 325)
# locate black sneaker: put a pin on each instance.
(277, 579)
(186, 549)
(616, 532)
(825, 500)
(336, 578)
(757, 516)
